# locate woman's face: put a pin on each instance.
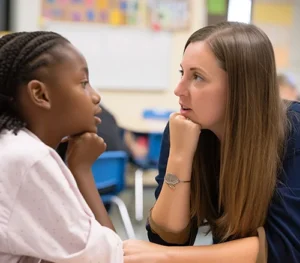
(202, 90)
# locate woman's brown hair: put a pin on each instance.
(233, 182)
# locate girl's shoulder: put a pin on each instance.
(20, 151)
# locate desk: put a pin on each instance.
(138, 124)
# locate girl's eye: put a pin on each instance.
(181, 72)
(84, 84)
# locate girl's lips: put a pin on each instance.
(97, 119)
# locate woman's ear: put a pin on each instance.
(39, 95)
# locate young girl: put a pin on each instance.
(47, 211)
(230, 158)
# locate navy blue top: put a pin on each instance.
(283, 221)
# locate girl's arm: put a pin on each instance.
(87, 187)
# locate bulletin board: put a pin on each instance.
(166, 15)
(121, 58)
(127, 43)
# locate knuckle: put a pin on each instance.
(94, 135)
(87, 135)
(172, 115)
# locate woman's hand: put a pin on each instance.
(184, 136)
(138, 251)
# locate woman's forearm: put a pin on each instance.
(177, 201)
(239, 251)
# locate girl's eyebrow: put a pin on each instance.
(85, 70)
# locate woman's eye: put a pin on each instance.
(181, 72)
(197, 77)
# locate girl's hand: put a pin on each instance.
(83, 150)
(138, 251)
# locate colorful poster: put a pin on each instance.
(112, 12)
(170, 14)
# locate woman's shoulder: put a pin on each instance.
(293, 140)
(293, 113)
(294, 106)
(289, 175)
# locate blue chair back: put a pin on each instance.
(157, 114)
(109, 171)
(155, 140)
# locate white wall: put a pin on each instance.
(295, 46)
(26, 17)
(285, 36)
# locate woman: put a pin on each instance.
(229, 159)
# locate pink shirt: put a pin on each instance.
(42, 213)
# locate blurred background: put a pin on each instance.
(134, 49)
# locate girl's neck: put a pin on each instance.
(45, 135)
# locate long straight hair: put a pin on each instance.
(233, 182)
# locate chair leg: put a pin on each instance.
(125, 216)
(138, 192)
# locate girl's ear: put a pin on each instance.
(39, 94)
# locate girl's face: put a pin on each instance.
(74, 102)
(202, 90)
(60, 101)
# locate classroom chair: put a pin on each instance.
(109, 172)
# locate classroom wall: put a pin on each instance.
(26, 18)
(281, 24)
(294, 66)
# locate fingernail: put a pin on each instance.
(65, 139)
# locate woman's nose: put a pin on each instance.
(181, 89)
